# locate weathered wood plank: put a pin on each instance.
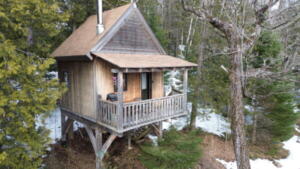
(120, 101)
(134, 114)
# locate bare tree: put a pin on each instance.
(240, 24)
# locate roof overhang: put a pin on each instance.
(144, 62)
(74, 58)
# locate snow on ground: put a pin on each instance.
(208, 122)
(53, 123)
(213, 123)
(154, 139)
(291, 162)
(297, 128)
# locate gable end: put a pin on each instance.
(133, 35)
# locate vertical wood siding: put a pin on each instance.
(80, 97)
(157, 84)
(104, 82)
(133, 92)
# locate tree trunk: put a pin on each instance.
(193, 115)
(236, 106)
(253, 139)
(199, 74)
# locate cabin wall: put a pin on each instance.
(80, 97)
(157, 84)
(104, 82)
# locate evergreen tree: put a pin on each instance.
(175, 150)
(273, 100)
(280, 110)
(26, 92)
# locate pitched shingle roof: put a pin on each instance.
(144, 60)
(83, 39)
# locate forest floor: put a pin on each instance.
(78, 154)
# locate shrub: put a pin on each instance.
(176, 150)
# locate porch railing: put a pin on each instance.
(140, 113)
(107, 113)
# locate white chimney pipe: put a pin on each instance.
(100, 26)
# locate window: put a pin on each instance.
(115, 81)
(66, 78)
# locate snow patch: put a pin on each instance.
(53, 123)
(213, 123)
(154, 139)
(249, 108)
(179, 123)
(209, 122)
(297, 128)
(291, 162)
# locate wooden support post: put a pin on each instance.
(63, 124)
(71, 130)
(185, 87)
(120, 102)
(99, 147)
(96, 140)
(66, 129)
(92, 137)
(129, 142)
(160, 129)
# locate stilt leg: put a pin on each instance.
(71, 130)
(99, 146)
(129, 142)
(67, 128)
(63, 126)
(160, 129)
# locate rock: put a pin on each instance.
(277, 164)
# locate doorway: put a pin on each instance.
(146, 85)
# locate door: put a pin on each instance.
(146, 83)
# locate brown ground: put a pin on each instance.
(215, 147)
(78, 154)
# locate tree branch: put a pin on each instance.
(260, 13)
(203, 15)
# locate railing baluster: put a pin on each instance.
(141, 112)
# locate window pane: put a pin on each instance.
(144, 81)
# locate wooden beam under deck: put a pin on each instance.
(92, 123)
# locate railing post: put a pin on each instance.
(185, 88)
(98, 111)
(120, 101)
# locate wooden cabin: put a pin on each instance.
(114, 67)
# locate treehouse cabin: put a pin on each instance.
(114, 67)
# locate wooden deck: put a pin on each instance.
(122, 117)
